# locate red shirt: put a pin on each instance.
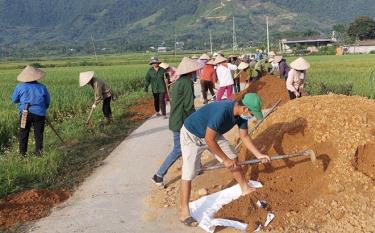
(209, 73)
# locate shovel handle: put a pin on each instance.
(256, 161)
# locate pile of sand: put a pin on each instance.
(329, 196)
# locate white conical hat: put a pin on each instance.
(243, 66)
(211, 62)
(164, 65)
(278, 59)
(300, 64)
(204, 57)
(271, 53)
(220, 59)
(85, 77)
(188, 65)
(30, 74)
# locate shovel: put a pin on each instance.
(306, 153)
(88, 121)
(54, 130)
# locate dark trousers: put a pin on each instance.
(207, 86)
(38, 122)
(293, 96)
(237, 85)
(107, 111)
(159, 103)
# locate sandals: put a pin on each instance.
(190, 222)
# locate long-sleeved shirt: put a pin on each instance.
(200, 72)
(208, 73)
(101, 90)
(224, 74)
(295, 80)
(33, 93)
(171, 71)
(182, 103)
(156, 79)
(283, 69)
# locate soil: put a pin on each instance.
(364, 160)
(269, 88)
(29, 205)
(143, 110)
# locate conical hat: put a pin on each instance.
(164, 65)
(30, 74)
(194, 57)
(271, 54)
(211, 62)
(188, 65)
(220, 59)
(278, 59)
(204, 57)
(300, 64)
(85, 77)
(243, 66)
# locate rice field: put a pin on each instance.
(71, 104)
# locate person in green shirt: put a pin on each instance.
(182, 105)
(156, 78)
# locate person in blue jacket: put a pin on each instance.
(34, 98)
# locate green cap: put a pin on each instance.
(254, 103)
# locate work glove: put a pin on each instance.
(93, 106)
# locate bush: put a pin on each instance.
(325, 88)
(372, 52)
(37, 65)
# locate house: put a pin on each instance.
(311, 44)
(162, 49)
(365, 46)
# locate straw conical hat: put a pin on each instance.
(204, 57)
(271, 54)
(278, 59)
(194, 57)
(188, 65)
(211, 62)
(164, 65)
(85, 77)
(30, 74)
(220, 59)
(300, 64)
(271, 60)
(243, 66)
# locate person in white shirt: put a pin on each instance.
(224, 75)
(296, 77)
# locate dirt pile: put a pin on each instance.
(364, 160)
(142, 110)
(328, 196)
(270, 89)
(29, 205)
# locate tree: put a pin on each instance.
(362, 28)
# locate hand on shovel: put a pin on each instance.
(264, 158)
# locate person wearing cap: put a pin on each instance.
(283, 67)
(156, 78)
(208, 80)
(182, 105)
(33, 97)
(102, 92)
(224, 75)
(204, 130)
(296, 77)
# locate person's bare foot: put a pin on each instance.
(247, 190)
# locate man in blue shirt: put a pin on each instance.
(204, 130)
(33, 97)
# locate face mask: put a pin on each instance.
(302, 76)
(246, 117)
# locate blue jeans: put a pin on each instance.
(172, 157)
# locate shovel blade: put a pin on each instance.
(311, 154)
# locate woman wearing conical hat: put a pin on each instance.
(182, 105)
(34, 100)
(208, 80)
(224, 75)
(296, 77)
(102, 92)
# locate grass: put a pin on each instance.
(61, 167)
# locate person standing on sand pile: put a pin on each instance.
(224, 75)
(296, 77)
(182, 105)
(156, 77)
(34, 100)
(204, 130)
(102, 92)
(208, 80)
(283, 67)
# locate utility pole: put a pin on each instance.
(93, 45)
(234, 36)
(175, 42)
(268, 38)
(211, 41)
